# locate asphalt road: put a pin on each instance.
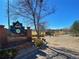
(48, 53)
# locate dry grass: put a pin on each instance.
(65, 41)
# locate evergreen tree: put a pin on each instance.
(75, 28)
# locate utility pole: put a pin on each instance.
(8, 14)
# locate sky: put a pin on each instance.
(67, 11)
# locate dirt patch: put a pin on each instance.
(64, 41)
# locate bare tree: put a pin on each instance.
(34, 10)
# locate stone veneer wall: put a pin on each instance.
(29, 34)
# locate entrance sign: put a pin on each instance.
(17, 28)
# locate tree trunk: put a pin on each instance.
(38, 35)
(36, 26)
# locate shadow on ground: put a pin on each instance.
(37, 54)
(67, 50)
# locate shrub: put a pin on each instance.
(6, 54)
(38, 42)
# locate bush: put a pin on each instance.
(6, 54)
(38, 42)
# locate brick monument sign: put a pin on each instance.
(17, 29)
(3, 37)
(18, 35)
